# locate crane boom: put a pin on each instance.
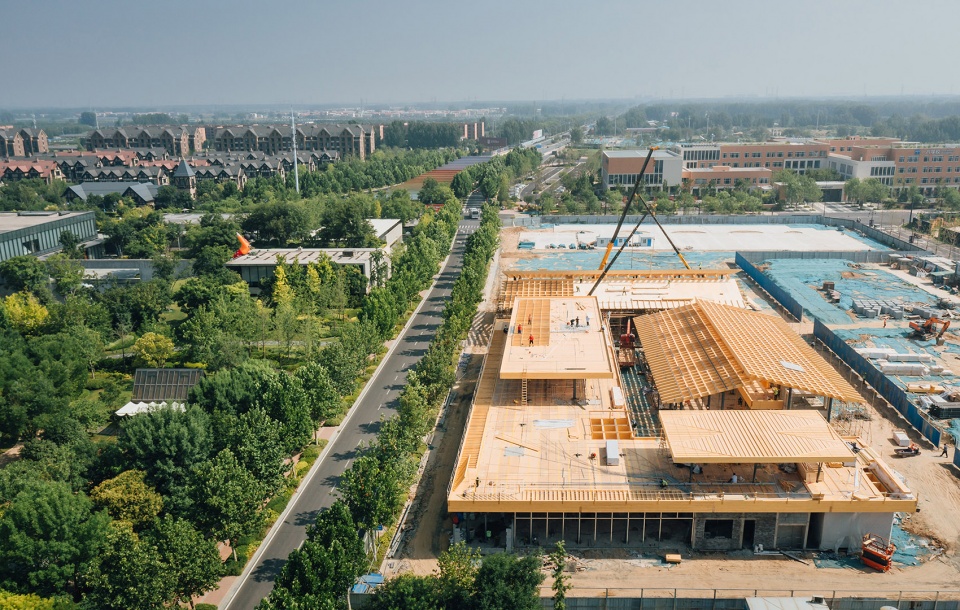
(626, 207)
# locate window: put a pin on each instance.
(901, 159)
(718, 528)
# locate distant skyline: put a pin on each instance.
(109, 53)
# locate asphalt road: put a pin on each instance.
(380, 399)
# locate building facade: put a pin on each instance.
(344, 140)
(621, 168)
(38, 233)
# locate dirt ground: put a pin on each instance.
(934, 478)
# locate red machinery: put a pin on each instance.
(625, 355)
(928, 328)
(877, 552)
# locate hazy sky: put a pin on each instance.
(95, 53)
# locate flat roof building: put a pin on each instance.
(38, 233)
(621, 168)
(261, 264)
(550, 450)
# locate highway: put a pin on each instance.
(378, 399)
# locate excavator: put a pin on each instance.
(634, 194)
(929, 328)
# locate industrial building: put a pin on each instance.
(704, 427)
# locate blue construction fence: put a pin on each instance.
(778, 293)
(880, 382)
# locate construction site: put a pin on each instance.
(784, 391)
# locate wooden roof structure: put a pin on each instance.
(706, 348)
(752, 437)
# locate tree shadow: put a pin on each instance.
(268, 569)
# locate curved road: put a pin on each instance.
(361, 426)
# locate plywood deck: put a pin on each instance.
(752, 437)
(558, 350)
(626, 290)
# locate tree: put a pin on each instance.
(227, 499)
(48, 536)
(458, 571)
(166, 444)
(126, 497)
(345, 226)
(259, 447)
(322, 395)
(561, 582)
(279, 223)
(128, 574)
(88, 118)
(153, 349)
(191, 562)
(576, 134)
(26, 273)
(24, 312)
(320, 571)
(373, 491)
(407, 592)
(508, 582)
(66, 272)
(13, 601)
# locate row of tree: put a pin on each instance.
(375, 488)
(422, 134)
(493, 178)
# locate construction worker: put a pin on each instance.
(531, 339)
(519, 329)
(944, 452)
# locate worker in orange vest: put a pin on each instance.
(531, 339)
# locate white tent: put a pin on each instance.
(135, 408)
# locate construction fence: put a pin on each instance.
(581, 598)
(873, 233)
(767, 284)
(864, 256)
(884, 386)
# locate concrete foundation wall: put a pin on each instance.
(765, 531)
(847, 529)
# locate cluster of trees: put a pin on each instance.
(133, 522)
(492, 178)
(797, 188)
(465, 580)
(375, 487)
(422, 134)
(32, 195)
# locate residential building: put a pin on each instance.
(185, 178)
(34, 141)
(26, 142)
(38, 233)
(344, 140)
(138, 193)
(13, 170)
(177, 140)
(11, 143)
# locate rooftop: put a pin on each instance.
(703, 349)
(550, 454)
(12, 221)
(302, 256)
(558, 350)
(752, 437)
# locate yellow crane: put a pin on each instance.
(635, 193)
